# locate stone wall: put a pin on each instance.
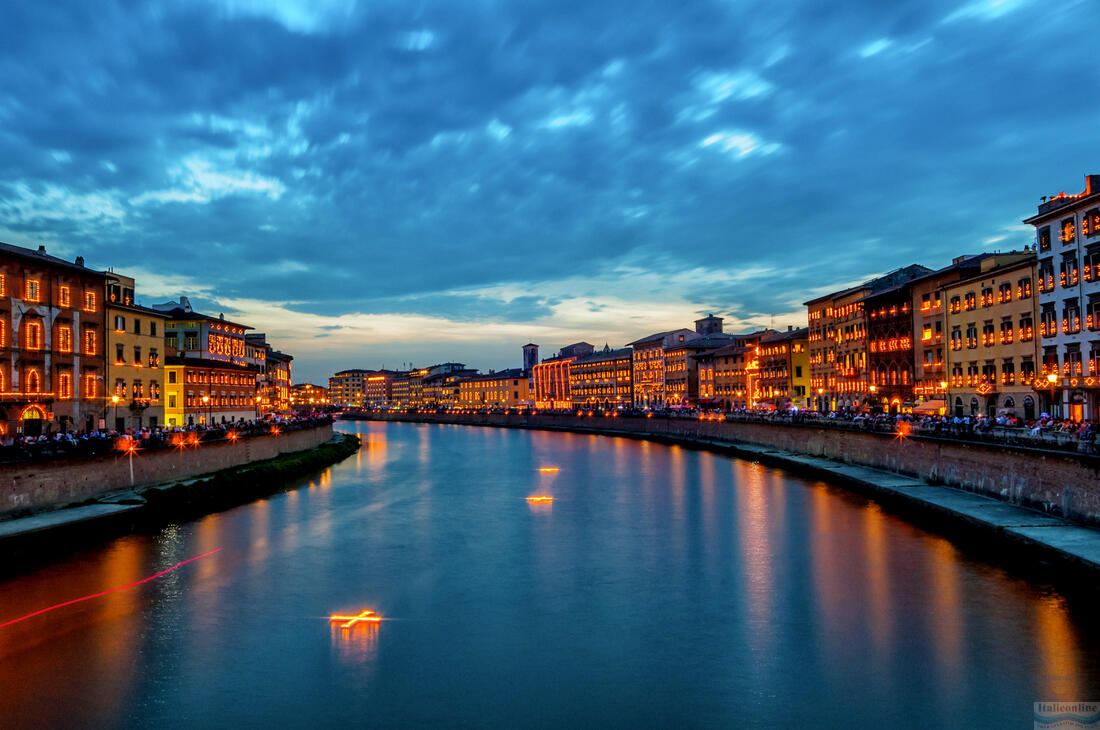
(1064, 484)
(35, 486)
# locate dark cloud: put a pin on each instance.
(377, 160)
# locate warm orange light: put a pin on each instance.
(367, 616)
(904, 428)
(540, 498)
(548, 469)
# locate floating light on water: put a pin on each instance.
(540, 498)
(367, 616)
(548, 469)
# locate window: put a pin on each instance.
(120, 354)
(154, 390)
(120, 323)
(34, 336)
(3, 333)
(987, 297)
(1043, 238)
(1027, 329)
(65, 339)
(120, 388)
(1071, 318)
(137, 326)
(34, 382)
(1067, 274)
(89, 301)
(90, 389)
(1091, 270)
(171, 376)
(1090, 222)
(31, 292)
(64, 296)
(65, 385)
(1046, 275)
(137, 356)
(989, 334)
(956, 338)
(971, 336)
(1069, 231)
(955, 305)
(153, 328)
(154, 358)
(1023, 289)
(89, 342)
(3, 285)
(1004, 293)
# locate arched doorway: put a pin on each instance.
(32, 418)
(973, 406)
(991, 406)
(1029, 408)
(959, 407)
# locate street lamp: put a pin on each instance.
(1052, 378)
(206, 402)
(114, 399)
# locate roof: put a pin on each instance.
(180, 313)
(147, 311)
(706, 342)
(40, 256)
(510, 374)
(797, 334)
(1057, 205)
(1025, 263)
(724, 351)
(659, 336)
(879, 284)
(601, 356)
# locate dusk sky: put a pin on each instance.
(377, 183)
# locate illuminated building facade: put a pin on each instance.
(602, 379)
(551, 383)
(135, 346)
(348, 387)
(205, 391)
(782, 370)
(992, 339)
(839, 365)
(648, 363)
(274, 375)
(443, 389)
(399, 390)
(682, 367)
(727, 376)
(1067, 242)
(501, 389)
(306, 397)
(379, 389)
(52, 338)
(201, 336)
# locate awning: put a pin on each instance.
(930, 406)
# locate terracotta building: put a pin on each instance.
(602, 379)
(52, 372)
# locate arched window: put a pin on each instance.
(34, 381)
(1009, 402)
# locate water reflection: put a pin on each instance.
(663, 586)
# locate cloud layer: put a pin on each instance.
(388, 182)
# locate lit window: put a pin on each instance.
(89, 301)
(65, 339)
(120, 323)
(34, 381)
(63, 296)
(65, 385)
(34, 336)
(32, 290)
(3, 285)
(90, 386)
(89, 342)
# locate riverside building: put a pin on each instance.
(500, 389)
(602, 379)
(348, 387)
(648, 363)
(52, 373)
(783, 370)
(1067, 242)
(135, 346)
(992, 348)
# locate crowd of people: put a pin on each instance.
(67, 444)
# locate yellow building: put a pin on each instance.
(135, 346)
(308, 397)
(783, 359)
(992, 351)
(173, 394)
(503, 389)
(603, 379)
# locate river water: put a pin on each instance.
(662, 587)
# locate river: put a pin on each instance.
(661, 587)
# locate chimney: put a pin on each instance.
(41, 249)
(79, 260)
(790, 328)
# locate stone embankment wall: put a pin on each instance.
(34, 486)
(1064, 484)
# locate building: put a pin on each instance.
(550, 386)
(443, 389)
(727, 375)
(1067, 242)
(399, 390)
(783, 370)
(135, 346)
(602, 379)
(204, 391)
(648, 363)
(275, 393)
(348, 387)
(682, 367)
(838, 342)
(378, 391)
(993, 349)
(530, 356)
(53, 370)
(501, 389)
(195, 335)
(305, 397)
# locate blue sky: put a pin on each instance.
(384, 182)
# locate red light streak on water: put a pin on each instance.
(104, 593)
